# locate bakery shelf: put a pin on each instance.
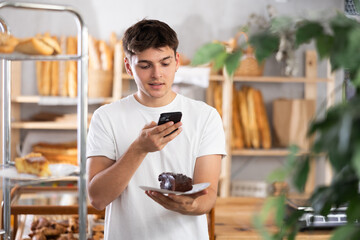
(24, 57)
(82, 111)
(48, 100)
(309, 85)
(50, 125)
(275, 152)
(270, 79)
(262, 79)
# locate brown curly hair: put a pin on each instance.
(147, 34)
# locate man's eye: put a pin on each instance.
(144, 66)
(165, 64)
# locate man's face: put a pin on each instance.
(154, 71)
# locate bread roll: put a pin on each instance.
(34, 46)
(52, 42)
(7, 43)
(253, 128)
(262, 120)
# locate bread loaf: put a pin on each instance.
(253, 128)
(244, 115)
(237, 133)
(94, 55)
(41, 45)
(71, 69)
(106, 56)
(262, 120)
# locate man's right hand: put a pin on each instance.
(154, 138)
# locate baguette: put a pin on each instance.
(38, 66)
(244, 116)
(237, 133)
(262, 120)
(45, 78)
(54, 78)
(62, 70)
(253, 128)
(106, 56)
(94, 56)
(218, 97)
(113, 40)
(71, 70)
(54, 86)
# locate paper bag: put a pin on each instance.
(291, 119)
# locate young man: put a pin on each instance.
(127, 149)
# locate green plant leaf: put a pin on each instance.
(324, 44)
(356, 80)
(348, 232)
(279, 205)
(278, 175)
(356, 160)
(265, 44)
(219, 60)
(301, 173)
(307, 31)
(281, 24)
(232, 62)
(207, 53)
(353, 209)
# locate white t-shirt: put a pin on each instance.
(133, 215)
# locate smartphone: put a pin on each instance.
(170, 116)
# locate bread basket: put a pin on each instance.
(100, 83)
(248, 66)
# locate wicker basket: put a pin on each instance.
(248, 66)
(100, 83)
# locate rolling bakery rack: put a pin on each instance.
(82, 110)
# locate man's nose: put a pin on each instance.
(157, 73)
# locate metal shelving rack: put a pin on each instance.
(82, 111)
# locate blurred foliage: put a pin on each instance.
(337, 133)
(220, 55)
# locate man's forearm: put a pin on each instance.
(108, 184)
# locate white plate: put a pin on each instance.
(196, 188)
(57, 170)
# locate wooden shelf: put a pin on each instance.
(45, 125)
(272, 79)
(60, 100)
(262, 79)
(275, 152)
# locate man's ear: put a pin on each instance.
(128, 66)
(177, 59)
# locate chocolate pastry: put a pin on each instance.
(175, 182)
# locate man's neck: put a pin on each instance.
(155, 102)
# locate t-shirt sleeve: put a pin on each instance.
(213, 137)
(100, 141)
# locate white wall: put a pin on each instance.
(196, 22)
